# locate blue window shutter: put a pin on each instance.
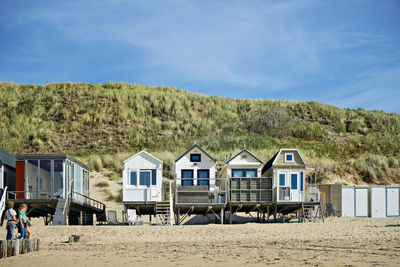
(282, 179)
(133, 178)
(294, 181)
(301, 181)
(153, 177)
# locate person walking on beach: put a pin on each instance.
(22, 221)
(11, 216)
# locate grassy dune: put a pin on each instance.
(104, 124)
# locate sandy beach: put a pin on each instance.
(339, 241)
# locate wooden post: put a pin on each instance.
(178, 217)
(81, 218)
(34, 244)
(20, 246)
(24, 246)
(10, 245)
(30, 246)
(275, 212)
(94, 219)
(16, 247)
(37, 244)
(222, 216)
(3, 249)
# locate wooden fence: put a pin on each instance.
(9, 248)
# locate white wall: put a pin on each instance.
(185, 164)
(377, 201)
(139, 193)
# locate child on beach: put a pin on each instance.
(23, 227)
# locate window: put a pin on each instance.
(294, 181)
(282, 178)
(203, 177)
(144, 178)
(195, 157)
(289, 157)
(133, 180)
(244, 173)
(187, 177)
(301, 181)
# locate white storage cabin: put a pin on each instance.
(142, 179)
(347, 201)
(377, 201)
(287, 167)
(392, 200)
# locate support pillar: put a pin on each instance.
(230, 215)
(275, 212)
(222, 216)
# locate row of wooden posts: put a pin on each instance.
(9, 248)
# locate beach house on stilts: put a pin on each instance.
(290, 193)
(248, 191)
(56, 187)
(142, 186)
(197, 190)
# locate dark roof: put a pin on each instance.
(244, 150)
(191, 149)
(7, 159)
(269, 163)
(50, 156)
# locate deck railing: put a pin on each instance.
(250, 189)
(213, 192)
(82, 199)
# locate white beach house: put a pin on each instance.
(142, 178)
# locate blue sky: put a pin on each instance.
(344, 53)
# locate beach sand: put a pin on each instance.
(338, 241)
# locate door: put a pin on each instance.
(294, 187)
(361, 202)
(392, 201)
(347, 201)
(378, 202)
(283, 186)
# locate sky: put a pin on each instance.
(344, 53)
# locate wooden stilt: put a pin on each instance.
(24, 246)
(3, 249)
(16, 247)
(230, 215)
(10, 244)
(37, 244)
(222, 216)
(178, 216)
(275, 212)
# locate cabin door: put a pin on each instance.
(294, 186)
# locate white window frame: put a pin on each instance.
(286, 154)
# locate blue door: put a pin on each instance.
(187, 177)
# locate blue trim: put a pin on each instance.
(190, 149)
(144, 179)
(244, 150)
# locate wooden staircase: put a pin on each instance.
(163, 212)
(311, 211)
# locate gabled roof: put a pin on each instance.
(244, 150)
(273, 159)
(190, 149)
(143, 152)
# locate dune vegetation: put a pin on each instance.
(104, 124)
